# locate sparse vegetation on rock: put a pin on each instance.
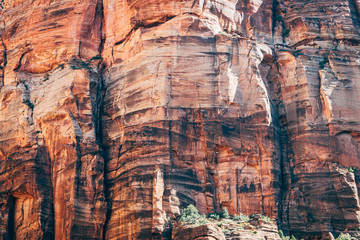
(227, 223)
(284, 237)
(346, 236)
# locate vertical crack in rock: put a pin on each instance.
(280, 130)
(43, 178)
(3, 57)
(98, 95)
(11, 231)
(274, 12)
(102, 92)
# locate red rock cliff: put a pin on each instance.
(116, 114)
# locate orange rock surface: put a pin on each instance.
(115, 115)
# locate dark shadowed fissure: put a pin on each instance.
(11, 231)
(97, 95)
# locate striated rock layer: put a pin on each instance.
(114, 115)
(211, 232)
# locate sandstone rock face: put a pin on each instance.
(203, 232)
(225, 229)
(114, 115)
(52, 168)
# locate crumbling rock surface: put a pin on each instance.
(114, 115)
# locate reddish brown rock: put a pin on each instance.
(188, 124)
(52, 169)
(202, 232)
(114, 115)
(316, 84)
(225, 229)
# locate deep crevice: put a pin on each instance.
(281, 135)
(11, 231)
(274, 20)
(46, 190)
(4, 59)
(98, 112)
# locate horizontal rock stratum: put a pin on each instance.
(117, 114)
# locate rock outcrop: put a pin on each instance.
(202, 232)
(115, 115)
(227, 229)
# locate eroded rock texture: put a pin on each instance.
(52, 168)
(116, 114)
(225, 230)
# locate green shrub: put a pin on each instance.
(344, 237)
(240, 228)
(226, 231)
(202, 221)
(215, 216)
(227, 221)
(351, 169)
(225, 213)
(190, 215)
(241, 217)
(265, 218)
(283, 237)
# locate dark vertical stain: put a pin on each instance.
(44, 180)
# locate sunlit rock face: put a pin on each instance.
(114, 115)
(52, 168)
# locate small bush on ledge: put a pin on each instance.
(345, 237)
(225, 213)
(227, 223)
(241, 217)
(191, 215)
(283, 237)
